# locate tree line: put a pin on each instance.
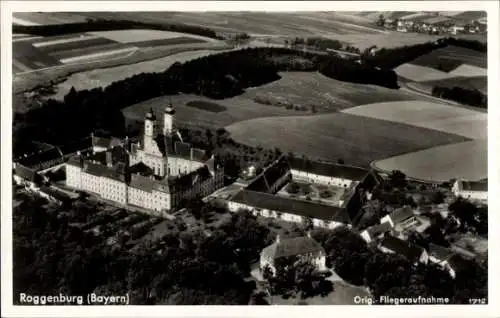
(216, 76)
(390, 58)
(471, 97)
(93, 25)
(393, 275)
(52, 256)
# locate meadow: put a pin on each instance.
(418, 73)
(468, 160)
(451, 52)
(480, 83)
(308, 89)
(446, 118)
(44, 18)
(355, 139)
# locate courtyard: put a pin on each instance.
(321, 193)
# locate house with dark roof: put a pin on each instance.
(288, 209)
(412, 252)
(43, 159)
(326, 172)
(402, 217)
(273, 178)
(26, 176)
(471, 190)
(303, 248)
(447, 259)
(376, 232)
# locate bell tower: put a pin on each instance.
(168, 119)
(149, 130)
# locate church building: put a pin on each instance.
(158, 172)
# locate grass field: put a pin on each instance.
(480, 83)
(207, 106)
(356, 139)
(466, 70)
(418, 73)
(460, 54)
(450, 119)
(237, 109)
(44, 18)
(468, 160)
(307, 89)
(144, 35)
(102, 77)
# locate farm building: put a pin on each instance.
(447, 259)
(403, 215)
(376, 231)
(288, 209)
(26, 176)
(411, 252)
(472, 190)
(303, 248)
(325, 172)
(156, 175)
(274, 177)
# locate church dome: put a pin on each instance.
(150, 115)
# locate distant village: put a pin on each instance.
(437, 24)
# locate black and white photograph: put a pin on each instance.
(210, 155)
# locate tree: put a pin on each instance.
(381, 20)
(397, 179)
(293, 188)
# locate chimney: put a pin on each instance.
(109, 159)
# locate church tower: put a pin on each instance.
(168, 120)
(149, 131)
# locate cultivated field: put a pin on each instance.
(480, 83)
(450, 119)
(307, 89)
(418, 73)
(42, 52)
(102, 77)
(466, 70)
(236, 109)
(459, 54)
(44, 18)
(356, 139)
(468, 160)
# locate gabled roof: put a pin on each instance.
(26, 173)
(401, 214)
(41, 157)
(440, 252)
(291, 247)
(378, 229)
(410, 251)
(328, 169)
(270, 175)
(288, 205)
(103, 171)
(458, 263)
(474, 186)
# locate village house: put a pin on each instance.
(471, 190)
(403, 216)
(447, 259)
(300, 248)
(413, 253)
(376, 232)
(26, 177)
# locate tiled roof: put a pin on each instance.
(292, 247)
(401, 214)
(270, 176)
(142, 183)
(188, 180)
(458, 263)
(141, 168)
(328, 169)
(287, 205)
(41, 157)
(409, 251)
(26, 173)
(103, 171)
(174, 147)
(378, 229)
(80, 145)
(440, 252)
(55, 194)
(475, 186)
